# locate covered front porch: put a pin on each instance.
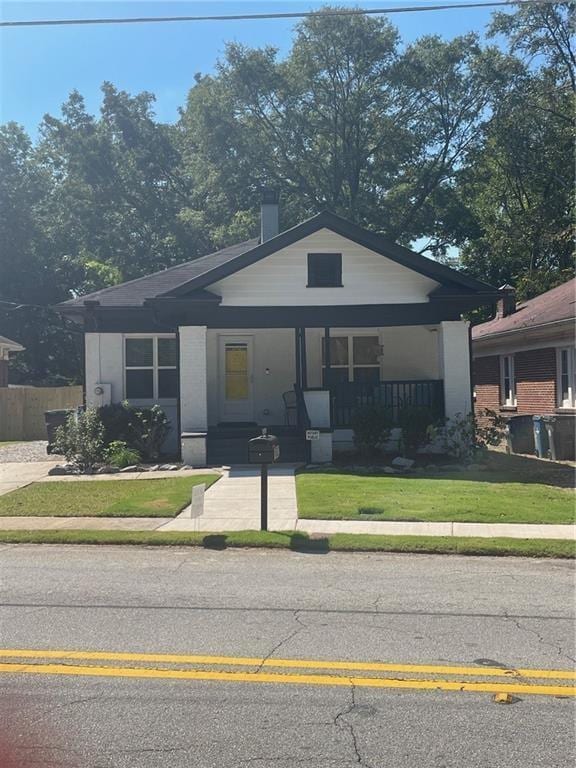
(234, 381)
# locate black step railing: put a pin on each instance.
(347, 397)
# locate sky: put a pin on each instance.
(39, 66)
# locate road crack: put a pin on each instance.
(284, 640)
(341, 722)
(557, 647)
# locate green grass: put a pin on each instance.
(103, 498)
(299, 542)
(480, 497)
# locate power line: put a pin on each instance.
(268, 16)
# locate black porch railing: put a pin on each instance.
(346, 397)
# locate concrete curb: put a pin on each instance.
(399, 528)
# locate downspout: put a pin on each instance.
(471, 366)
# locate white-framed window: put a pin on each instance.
(566, 377)
(150, 367)
(352, 358)
(507, 381)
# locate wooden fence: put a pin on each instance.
(22, 409)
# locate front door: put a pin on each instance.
(236, 379)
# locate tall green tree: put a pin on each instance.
(345, 121)
(519, 184)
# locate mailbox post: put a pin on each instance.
(263, 450)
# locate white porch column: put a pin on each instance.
(454, 350)
(193, 394)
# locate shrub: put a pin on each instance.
(464, 437)
(119, 454)
(116, 420)
(459, 437)
(371, 425)
(492, 430)
(148, 430)
(142, 428)
(81, 439)
(415, 423)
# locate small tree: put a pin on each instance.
(81, 439)
(371, 425)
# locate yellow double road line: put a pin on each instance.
(44, 665)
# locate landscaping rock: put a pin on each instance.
(154, 468)
(186, 466)
(402, 463)
(107, 469)
(61, 470)
(168, 467)
(390, 471)
(131, 468)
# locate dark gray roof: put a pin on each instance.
(187, 280)
(135, 292)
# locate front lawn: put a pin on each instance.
(104, 498)
(472, 497)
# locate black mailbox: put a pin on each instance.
(263, 449)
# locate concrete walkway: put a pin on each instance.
(233, 503)
(14, 475)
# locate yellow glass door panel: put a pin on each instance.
(237, 384)
(235, 378)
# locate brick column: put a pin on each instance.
(193, 394)
(455, 366)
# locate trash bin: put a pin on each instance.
(549, 425)
(53, 420)
(565, 437)
(541, 444)
(521, 431)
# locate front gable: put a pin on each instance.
(281, 278)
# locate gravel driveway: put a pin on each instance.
(33, 450)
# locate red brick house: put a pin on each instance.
(524, 360)
(7, 348)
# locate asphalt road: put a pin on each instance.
(232, 616)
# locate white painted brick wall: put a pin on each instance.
(455, 364)
(193, 380)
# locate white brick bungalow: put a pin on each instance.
(293, 330)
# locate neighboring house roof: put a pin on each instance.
(11, 346)
(192, 278)
(556, 305)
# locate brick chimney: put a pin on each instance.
(506, 304)
(269, 217)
